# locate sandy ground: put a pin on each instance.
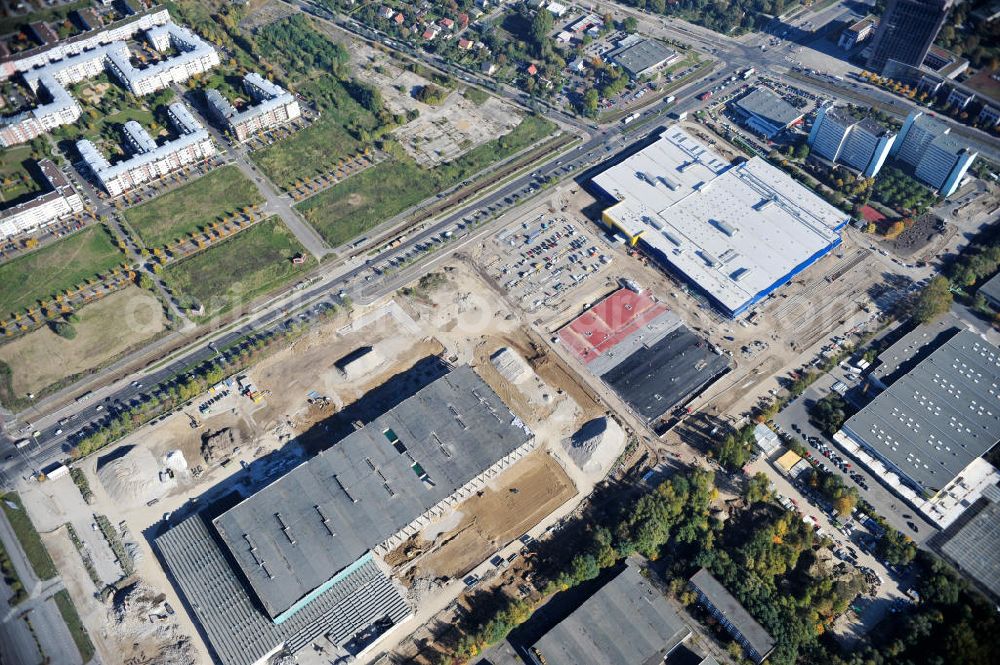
(532, 489)
(106, 329)
(440, 133)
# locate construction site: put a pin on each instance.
(159, 490)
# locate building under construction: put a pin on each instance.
(300, 559)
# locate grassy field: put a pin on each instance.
(30, 541)
(318, 147)
(106, 328)
(55, 267)
(15, 180)
(193, 206)
(239, 269)
(76, 628)
(377, 194)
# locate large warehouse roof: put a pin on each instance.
(932, 422)
(975, 547)
(294, 537)
(626, 621)
(643, 351)
(354, 611)
(737, 232)
(666, 372)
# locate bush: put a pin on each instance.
(64, 329)
(430, 94)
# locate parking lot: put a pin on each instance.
(540, 261)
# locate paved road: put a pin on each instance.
(17, 644)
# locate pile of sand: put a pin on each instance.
(596, 445)
(132, 476)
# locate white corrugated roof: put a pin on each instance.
(734, 230)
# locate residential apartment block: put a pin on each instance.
(148, 160)
(119, 31)
(939, 159)
(60, 200)
(273, 105)
(859, 142)
(195, 56)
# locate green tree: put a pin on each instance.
(590, 101)
(630, 24)
(933, 301)
(64, 329)
(758, 488)
(541, 28)
(829, 413)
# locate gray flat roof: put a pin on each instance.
(628, 621)
(637, 58)
(765, 104)
(726, 604)
(932, 422)
(913, 347)
(296, 534)
(991, 288)
(359, 607)
(657, 377)
(975, 547)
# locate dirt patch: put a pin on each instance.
(106, 329)
(354, 200)
(524, 495)
(914, 239)
(442, 132)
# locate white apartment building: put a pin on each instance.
(149, 160)
(939, 159)
(196, 56)
(273, 106)
(860, 143)
(116, 32)
(58, 202)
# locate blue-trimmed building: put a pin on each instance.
(736, 232)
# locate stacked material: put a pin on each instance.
(511, 365)
(595, 446)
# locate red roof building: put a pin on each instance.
(608, 323)
(465, 44)
(532, 70)
(398, 18)
(871, 214)
(446, 23)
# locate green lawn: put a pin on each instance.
(31, 542)
(239, 269)
(193, 206)
(373, 196)
(76, 628)
(317, 148)
(56, 267)
(15, 180)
